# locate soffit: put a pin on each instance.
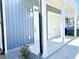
(68, 5)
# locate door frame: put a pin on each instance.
(40, 32)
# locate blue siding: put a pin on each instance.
(19, 23)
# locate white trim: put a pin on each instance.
(75, 20)
(44, 27)
(63, 20)
(4, 21)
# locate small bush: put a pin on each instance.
(25, 52)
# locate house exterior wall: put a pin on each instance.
(19, 23)
(0, 30)
(0, 35)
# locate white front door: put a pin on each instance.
(36, 47)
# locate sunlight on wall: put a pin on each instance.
(77, 56)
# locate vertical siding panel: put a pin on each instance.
(19, 23)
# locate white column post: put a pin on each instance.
(44, 27)
(75, 20)
(4, 22)
(63, 20)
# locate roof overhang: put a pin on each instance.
(69, 5)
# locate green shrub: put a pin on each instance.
(25, 52)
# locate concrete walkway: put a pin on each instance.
(15, 56)
(70, 51)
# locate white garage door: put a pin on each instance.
(54, 25)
